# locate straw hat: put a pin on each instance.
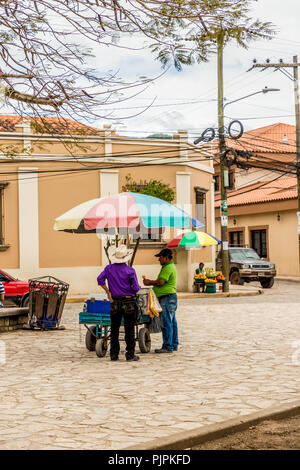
(119, 254)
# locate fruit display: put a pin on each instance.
(210, 278)
(200, 276)
(210, 272)
(210, 281)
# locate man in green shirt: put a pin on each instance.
(165, 289)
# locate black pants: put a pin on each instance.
(122, 308)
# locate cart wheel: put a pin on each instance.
(90, 338)
(101, 347)
(144, 340)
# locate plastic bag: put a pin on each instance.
(153, 303)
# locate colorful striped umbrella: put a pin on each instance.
(193, 239)
(124, 210)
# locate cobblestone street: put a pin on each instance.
(237, 355)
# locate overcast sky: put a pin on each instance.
(187, 99)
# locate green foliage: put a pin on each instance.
(189, 31)
(151, 188)
(159, 136)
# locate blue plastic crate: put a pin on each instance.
(98, 306)
(103, 319)
(94, 318)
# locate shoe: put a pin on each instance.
(175, 349)
(114, 358)
(161, 351)
(134, 358)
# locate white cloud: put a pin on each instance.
(200, 81)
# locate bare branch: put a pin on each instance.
(15, 95)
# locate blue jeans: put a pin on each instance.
(168, 322)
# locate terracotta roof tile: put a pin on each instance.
(48, 125)
(268, 139)
(284, 188)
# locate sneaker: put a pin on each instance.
(114, 358)
(134, 358)
(161, 351)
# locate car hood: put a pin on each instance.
(256, 262)
(21, 283)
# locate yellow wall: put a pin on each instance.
(66, 147)
(58, 194)
(282, 235)
(10, 257)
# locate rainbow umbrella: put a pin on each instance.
(124, 213)
(193, 239)
(126, 210)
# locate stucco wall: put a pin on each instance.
(281, 235)
(75, 258)
(10, 257)
(57, 195)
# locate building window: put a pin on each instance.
(151, 235)
(201, 206)
(2, 188)
(259, 242)
(217, 183)
(236, 238)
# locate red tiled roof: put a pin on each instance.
(283, 188)
(48, 125)
(267, 139)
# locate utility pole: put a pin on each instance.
(223, 168)
(281, 66)
(297, 114)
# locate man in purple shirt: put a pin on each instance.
(121, 291)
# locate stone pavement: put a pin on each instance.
(237, 356)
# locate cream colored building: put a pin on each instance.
(262, 203)
(46, 174)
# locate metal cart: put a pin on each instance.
(98, 327)
(47, 296)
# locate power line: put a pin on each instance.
(252, 189)
(57, 172)
(261, 117)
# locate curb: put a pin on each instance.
(224, 294)
(288, 279)
(187, 439)
(75, 300)
(188, 296)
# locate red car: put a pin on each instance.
(16, 291)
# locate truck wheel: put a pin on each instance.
(267, 282)
(101, 347)
(90, 339)
(144, 340)
(235, 279)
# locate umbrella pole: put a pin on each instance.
(106, 249)
(127, 239)
(134, 251)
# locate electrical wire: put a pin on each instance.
(56, 172)
(250, 190)
(261, 117)
(141, 153)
